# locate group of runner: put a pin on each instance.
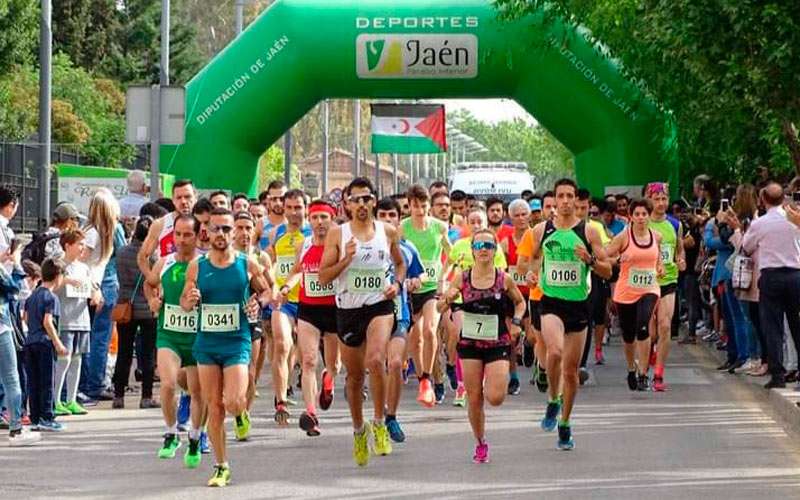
(428, 280)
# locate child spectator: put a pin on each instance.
(74, 324)
(42, 312)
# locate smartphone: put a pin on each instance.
(796, 197)
(725, 205)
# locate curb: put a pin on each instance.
(785, 402)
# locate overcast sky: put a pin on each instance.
(489, 110)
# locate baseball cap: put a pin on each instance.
(65, 211)
(536, 205)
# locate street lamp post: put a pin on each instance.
(45, 93)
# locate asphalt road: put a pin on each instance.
(708, 437)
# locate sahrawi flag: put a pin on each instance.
(408, 128)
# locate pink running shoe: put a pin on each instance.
(659, 385)
(481, 454)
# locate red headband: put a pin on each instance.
(322, 207)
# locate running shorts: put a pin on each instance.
(668, 289)
(76, 342)
(323, 318)
(289, 309)
(256, 332)
(634, 319)
(216, 349)
(418, 301)
(179, 343)
(485, 354)
(601, 291)
(352, 323)
(535, 308)
(573, 314)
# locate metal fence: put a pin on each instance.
(19, 168)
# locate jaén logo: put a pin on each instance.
(416, 56)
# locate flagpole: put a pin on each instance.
(356, 138)
(394, 174)
(378, 186)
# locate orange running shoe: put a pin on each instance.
(425, 396)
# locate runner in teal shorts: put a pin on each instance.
(218, 287)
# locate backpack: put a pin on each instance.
(35, 250)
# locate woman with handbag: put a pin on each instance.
(132, 313)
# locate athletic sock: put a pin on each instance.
(481, 441)
(360, 430)
(563, 423)
(514, 376)
(389, 418)
(555, 401)
(173, 429)
(194, 433)
(459, 371)
(311, 409)
(659, 371)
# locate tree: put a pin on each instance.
(19, 28)
(86, 30)
(271, 168)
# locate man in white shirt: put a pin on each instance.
(131, 203)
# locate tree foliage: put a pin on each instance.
(725, 68)
(19, 29)
(271, 168)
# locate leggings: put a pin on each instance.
(634, 319)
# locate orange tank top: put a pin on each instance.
(637, 275)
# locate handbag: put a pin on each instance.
(742, 272)
(123, 311)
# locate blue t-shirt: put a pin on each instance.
(414, 269)
(110, 274)
(41, 302)
(616, 226)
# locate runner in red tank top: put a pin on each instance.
(316, 316)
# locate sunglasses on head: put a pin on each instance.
(657, 188)
(483, 245)
(224, 228)
(364, 198)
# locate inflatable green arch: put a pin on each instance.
(299, 52)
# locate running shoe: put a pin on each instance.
(599, 357)
(541, 380)
(61, 409)
(551, 415)
(281, 415)
(633, 383)
(361, 446)
(643, 384)
(241, 426)
(659, 385)
(395, 431)
(438, 392)
(310, 423)
(205, 448)
(451, 375)
(583, 375)
(75, 408)
(326, 393)
(192, 457)
(481, 455)
(184, 408)
(565, 441)
(411, 369)
(460, 398)
(513, 386)
(23, 437)
(290, 396)
(381, 444)
(221, 476)
(50, 426)
(425, 397)
(171, 444)
(4, 420)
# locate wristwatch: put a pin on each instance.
(516, 321)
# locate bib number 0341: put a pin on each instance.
(219, 318)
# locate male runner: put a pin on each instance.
(244, 242)
(219, 285)
(495, 214)
(240, 203)
(202, 213)
(219, 199)
(358, 256)
(161, 234)
(316, 316)
(569, 250)
(177, 330)
(673, 259)
(429, 236)
(285, 240)
(509, 238)
(388, 211)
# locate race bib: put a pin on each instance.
(79, 292)
(642, 278)
(667, 253)
(284, 264)
(563, 273)
(517, 276)
(480, 326)
(219, 318)
(178, 320)
(365, 281)
(314, 288)
(433, 269)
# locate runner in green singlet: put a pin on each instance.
(177, 330)
(674, 260)
(569, 250)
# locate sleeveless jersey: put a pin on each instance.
(263, 242)
(166, 239)
(564, 276)
(511, 258)
(669, 245)
(637, 272)
(172, 317)
(224, 293)
(484, 324)
(429, 246)
(363, 281)
(285, 255)
(311, 291)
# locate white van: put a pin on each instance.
(505, 180)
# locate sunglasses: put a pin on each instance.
(364, 198)
(226, 229)
(483, 245)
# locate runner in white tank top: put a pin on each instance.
(363, 281)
